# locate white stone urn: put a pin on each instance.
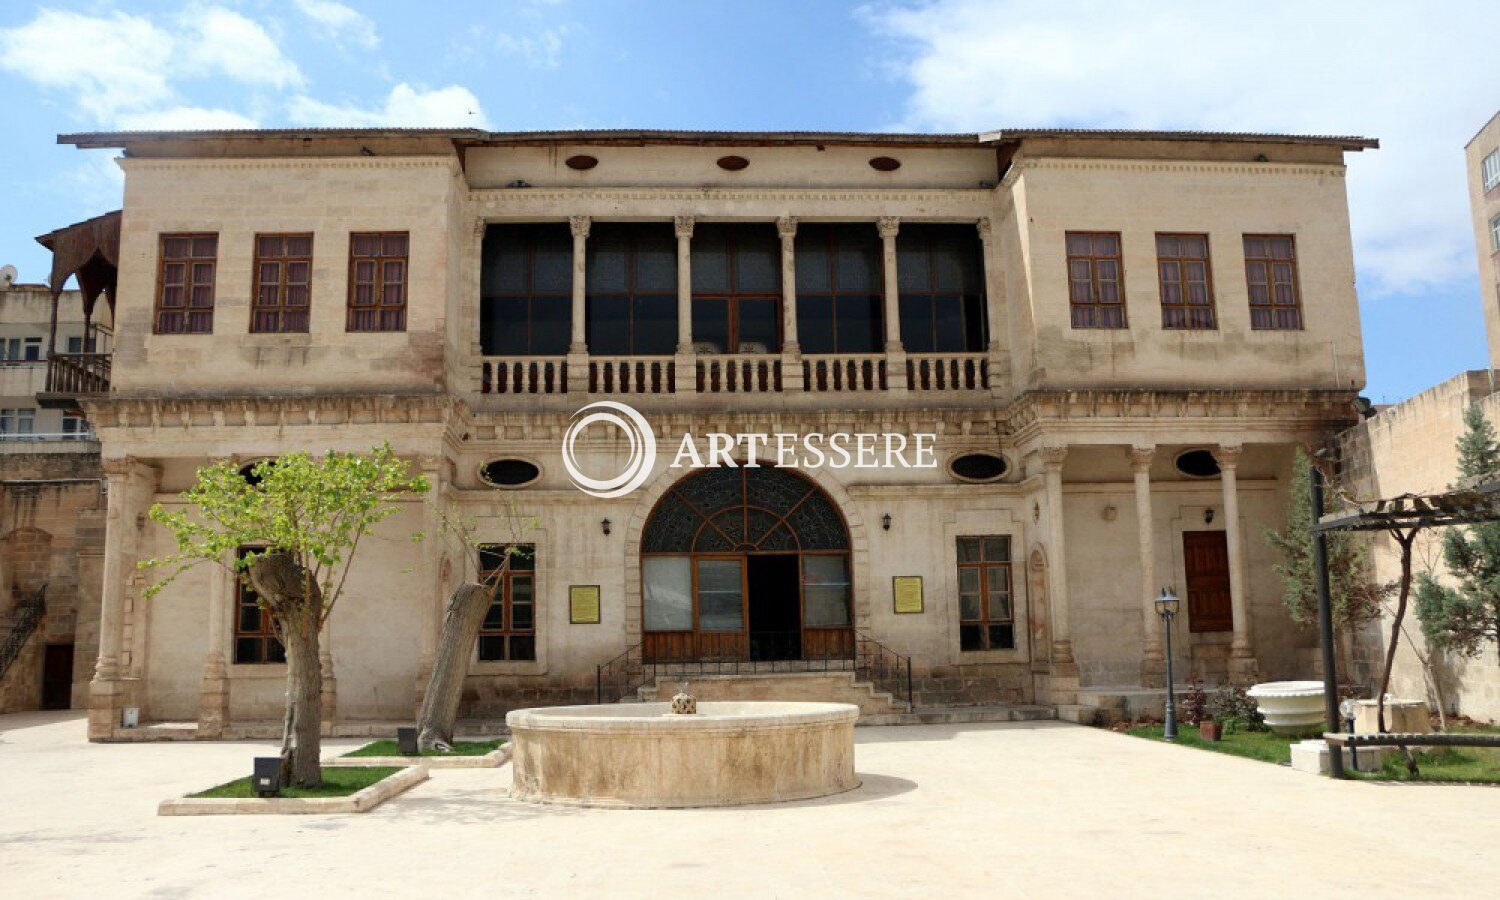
(1290, 707)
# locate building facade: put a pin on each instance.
(1114, 341)
(51, 509)
(1482, 156)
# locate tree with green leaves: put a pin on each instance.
(306, 515)
(1465, 617)
(1355, 597)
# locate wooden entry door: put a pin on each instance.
(57, 677)
(1205, 555)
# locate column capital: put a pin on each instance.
(786, 226)
(127, 467)
(1228, 455)
(1140, 458)
(579, 225)
(1052, 457)
(983, 224)
(888, 226)
(480, 225)
(682, 226)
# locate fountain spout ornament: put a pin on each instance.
(684, 703)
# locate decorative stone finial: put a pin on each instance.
(683, 703)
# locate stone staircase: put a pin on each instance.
(833, 686)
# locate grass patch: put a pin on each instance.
(337, 782)
(1442, 765)
(1265, 746)
(460, 748)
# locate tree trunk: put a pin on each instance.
(1405, 540)
(296, 604)
(466, 608)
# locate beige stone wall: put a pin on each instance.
(1485, 206)
(1410, 447)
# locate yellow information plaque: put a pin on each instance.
(583, 604)
(908, 593)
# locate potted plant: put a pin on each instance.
(1210, 729)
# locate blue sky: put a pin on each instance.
(1423, 86)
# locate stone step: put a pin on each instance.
(962, 715)
(836, 686)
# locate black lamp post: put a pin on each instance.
(1166, 607)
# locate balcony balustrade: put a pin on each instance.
(739, 373)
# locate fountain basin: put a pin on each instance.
(1290, 707)
(639, 755)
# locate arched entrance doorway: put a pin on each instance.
(745, 563)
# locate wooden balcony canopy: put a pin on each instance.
(90, 251)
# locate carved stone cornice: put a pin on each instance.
(888, 226)
(682, 226)
(808, 196)
(1021, 166)
(129, 163)
(187, 413)
(579, 225)
(1033, 407)
(786, 226)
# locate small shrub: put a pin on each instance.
(1233, 707)
(1195, 704)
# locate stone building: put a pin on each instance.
(51, 508)
(1097, 351)
(1482, 155)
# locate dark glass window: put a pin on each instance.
(632, 289)
(509, 628)
(1096, 281)
(1271, 270)
(283, 283)
(737, 288)
(185, 284)
(1187, 295)
(377, 280)
(839, 284)
(986, 618)
(255, 639)
(526, 290)
(941, 275)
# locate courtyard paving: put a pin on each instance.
(1018, 809)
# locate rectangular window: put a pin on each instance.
(21, 349)
(941, 275)
(16, 422)
(667, 589)
(255, 639)
(721, 594)
(1495, 234)
(77, 344)
(526, 286)
(840, 280)
(509, 628)
(986, 619)
(185, 284)
(1096, 281)
(75, 428)
(283, 283)
(736, 289)
(1491, 169)
(825, 591)
(632, 289)
(377, 281)
(1187, 293)
(1271, 271)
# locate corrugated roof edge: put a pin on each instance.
(100, 139)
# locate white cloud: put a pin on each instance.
(453, 106)
(542, 49)
(121, 68)
(183, 118)
(340, 23)
(1422, 79)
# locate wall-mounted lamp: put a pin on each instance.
(1110, 513)
(1208, 516)
(604, 526)
(885, 521)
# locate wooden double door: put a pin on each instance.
(1205, 556)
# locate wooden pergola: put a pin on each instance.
(1402, 517)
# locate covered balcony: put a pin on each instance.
(88, 251)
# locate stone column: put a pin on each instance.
(998, 360)
(132, 484)
(895, 354)
(434, 554)
(213, 692)
(791, 347)
(578, 351)
(1153, 665)
(1241, 657)
(1064, 669)
(686, 363)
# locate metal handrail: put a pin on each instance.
(27, 616)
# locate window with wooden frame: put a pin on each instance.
(283, 283)
(986, 619)
(840, 280)
(508, 632)
(1096, 279)
(940, 270)
(255, 639)
(185, 284)
(1187, 291)
(526, 290)
(737, 288)
(377, 280)
(1271, 272)
(1490, 168)
(632, 289)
